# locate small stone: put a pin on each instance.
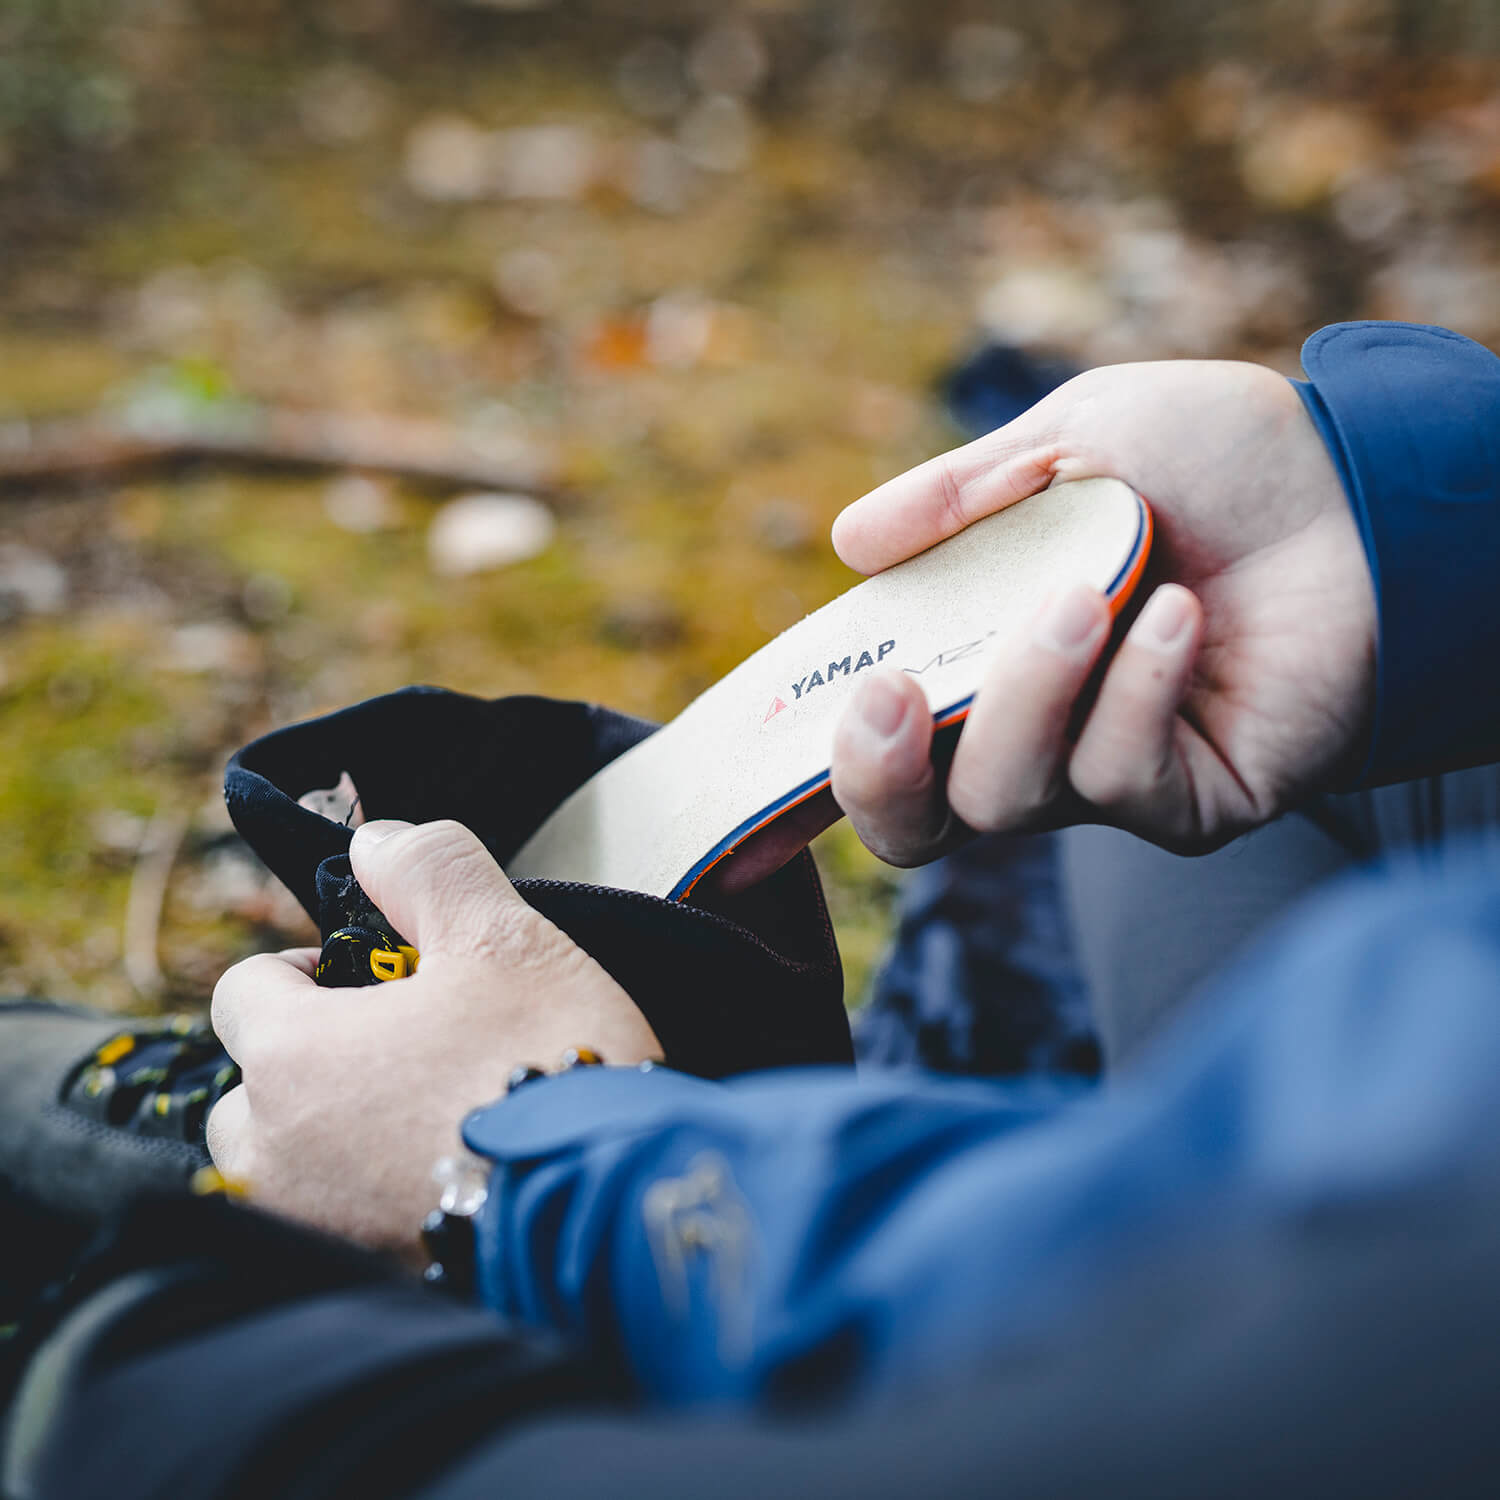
(448, 160)
(357, 503)
(213, 646)
(528, 282)
(545, 162)
(31, 583)
(1044, 305)
(117, 832)
(476, 533)
(678, 328)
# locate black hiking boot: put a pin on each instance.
(94, 1110)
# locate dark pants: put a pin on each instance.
(1150, 927)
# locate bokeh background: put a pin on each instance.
(283, 280)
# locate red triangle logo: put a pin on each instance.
(774, 709)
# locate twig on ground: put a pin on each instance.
(82, 448)
(148, 895)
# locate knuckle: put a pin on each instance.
(224, 1007)
(982, 815)
(435, 840)
(505, 935)
(964, 480)
(239, 1028)
(887, 845)
(950, 493)
(220, 1006)
(447, 830)
(225, 1130)
(980, 809)
(1106, 780)
(994, 798)
(873, 776)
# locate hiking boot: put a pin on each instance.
(95, 1109)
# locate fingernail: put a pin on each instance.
(1071, 622)
(381, 828)
(1165, 619)
(882, 706)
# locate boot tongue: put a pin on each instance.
(353, 930)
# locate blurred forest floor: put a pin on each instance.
(691, 270)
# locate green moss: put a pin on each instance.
(662, 577)
(45, 374)
(78, 713)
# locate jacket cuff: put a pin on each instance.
(565, 1150)
(1411, 417)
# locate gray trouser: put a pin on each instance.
(1150, 926)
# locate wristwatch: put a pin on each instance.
(463, 1183)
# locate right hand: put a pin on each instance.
(1246, 682)
(350, 1095)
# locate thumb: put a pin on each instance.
(436, 884)
(927, 504)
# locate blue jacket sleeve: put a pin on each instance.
(793, 1234)
(1411, 416)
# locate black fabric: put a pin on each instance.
(37, 1240)
(983, 975)
(205, 1350)
(728, 985)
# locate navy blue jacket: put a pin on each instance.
(731, 1243)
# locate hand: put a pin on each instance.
(351, 1095)
(1245, 682)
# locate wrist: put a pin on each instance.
(447, 1233)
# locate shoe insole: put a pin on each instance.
(760, 740)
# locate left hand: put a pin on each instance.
(1246, 683)
(351, 1095)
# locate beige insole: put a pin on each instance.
(760, 739)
